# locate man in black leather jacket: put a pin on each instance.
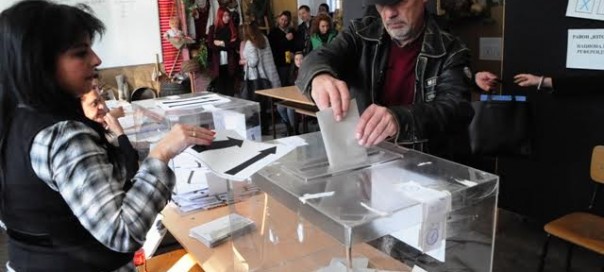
(374, 58)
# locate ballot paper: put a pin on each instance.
(218, 230)
(230, 156)
(340, 141)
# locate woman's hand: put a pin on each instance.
(113, 125)
(526, 80)
(117, 112)
(178, 139)
(219, 43)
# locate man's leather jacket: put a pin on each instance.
(441, 111)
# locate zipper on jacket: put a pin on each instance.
(373, 73)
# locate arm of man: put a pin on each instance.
(320, 70)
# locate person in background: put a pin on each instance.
(96, 110)
(222, 41)
(303, 31)
(281, 39)
(290, 114)
(411, 80)
(563, 84)
(80, 219)
(293, 74)
(258, 63)
(321, 32)
(486, 81)
(324, 9)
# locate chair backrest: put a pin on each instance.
(142, 94)
(597, 164)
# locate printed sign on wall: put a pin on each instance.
(585, 49)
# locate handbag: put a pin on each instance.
(252, 85)
(500, 126)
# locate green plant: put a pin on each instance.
(202, 55)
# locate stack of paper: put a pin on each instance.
(218, 230)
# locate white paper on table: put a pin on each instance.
(190, 180)
(238, 162)
(339, 138)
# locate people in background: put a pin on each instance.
(303, 32)
(282, 43)
(321, 32)
(410, 79)
(223, 42)
(258, 63)
(95, 109)
(61, 193)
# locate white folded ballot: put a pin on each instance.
(218, 230)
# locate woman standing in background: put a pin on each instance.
(321, 32)
(223, 42)
(258, 64)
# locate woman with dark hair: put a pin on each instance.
(80, 218)
(321, 32)
(95, 109)
(222, 41)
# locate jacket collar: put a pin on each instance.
(370, 28)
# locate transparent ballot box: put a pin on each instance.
(396, 210)
(154, 117)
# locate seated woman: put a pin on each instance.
(321, 32)
(96, 110)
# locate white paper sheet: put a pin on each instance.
(587, 9)
(237, 159)
(339, 138)
(585, 49)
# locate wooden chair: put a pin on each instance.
(580, 228)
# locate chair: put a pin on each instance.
(580, 228)
(143, 93)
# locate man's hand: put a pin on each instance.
(376, 124)
(328, 91)
(289, 36)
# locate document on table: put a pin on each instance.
(339, 138)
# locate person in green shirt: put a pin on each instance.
(321, 32)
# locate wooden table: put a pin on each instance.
(290, 97)
(287, 255)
